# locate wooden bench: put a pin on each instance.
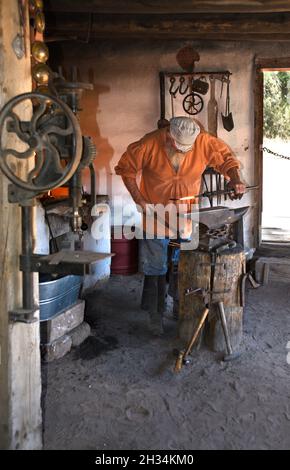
(262, 267)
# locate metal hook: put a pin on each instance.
(181, 81)
(172, 81)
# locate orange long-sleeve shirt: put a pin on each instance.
(159, 180)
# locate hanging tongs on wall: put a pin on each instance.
(227, 118)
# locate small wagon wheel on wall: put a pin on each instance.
(192, 103)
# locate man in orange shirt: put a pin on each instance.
(171, 161)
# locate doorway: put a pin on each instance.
(276, 156)
(272, 154)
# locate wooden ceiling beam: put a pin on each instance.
(168, 6)
(226, 27)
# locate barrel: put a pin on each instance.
(125, 260)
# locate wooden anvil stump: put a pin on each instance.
(207, 278)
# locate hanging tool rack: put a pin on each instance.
(191, 85)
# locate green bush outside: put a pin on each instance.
(277, 105)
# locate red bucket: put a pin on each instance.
(125, 260)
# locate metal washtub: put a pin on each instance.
(57, 294)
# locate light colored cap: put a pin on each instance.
(183, 131)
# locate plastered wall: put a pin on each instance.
(125, 102)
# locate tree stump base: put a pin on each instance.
(196, 272)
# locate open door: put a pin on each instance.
(272, 142)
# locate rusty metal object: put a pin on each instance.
(186, 58)
(39, 51)
(41, 73)
(193, 103)
(254, 285)
(200, 85)
(193, 290)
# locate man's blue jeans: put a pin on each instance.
(153, 256)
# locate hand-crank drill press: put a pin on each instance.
(51, 152)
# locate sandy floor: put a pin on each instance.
(118, 389)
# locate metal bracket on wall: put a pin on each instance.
(23, 315)
(21, 196)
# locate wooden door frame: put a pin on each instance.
(262, 65)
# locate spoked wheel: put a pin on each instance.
(193, 103)
(43, 131)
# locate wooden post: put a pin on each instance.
(20, 378)
(195, 271)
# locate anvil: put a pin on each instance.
(217, 217)
(214, 219)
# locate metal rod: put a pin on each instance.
(211, 189)
(172, 106)
(93, 185)
(75, 194)
(27, 275)
(192, 74)
(162, 95)
(53, 239)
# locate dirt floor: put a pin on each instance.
(118, 389)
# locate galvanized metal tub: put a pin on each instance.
(57, 294)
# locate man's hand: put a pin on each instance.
(238, 189)
(236, 184)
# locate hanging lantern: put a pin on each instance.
(40, 74)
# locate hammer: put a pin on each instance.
(182, 355)
(230, 356)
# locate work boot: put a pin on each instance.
(149, 302)
(162, 288)
(156, 315)
(175, 312)
(149, 291)
(173, 290)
